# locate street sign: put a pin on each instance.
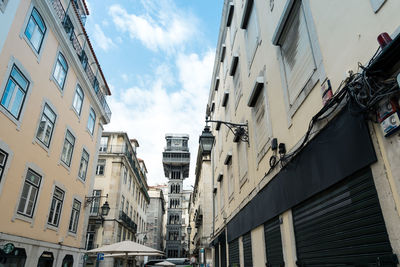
(100, 256)
(8, 248)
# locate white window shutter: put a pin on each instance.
(297, 55)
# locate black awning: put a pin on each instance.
(340, 149)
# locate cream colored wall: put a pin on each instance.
(346, 34)
(26, 150)
(345, 37)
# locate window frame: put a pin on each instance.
(17, 87)
(74, 218)
(36, 50)
(58, 200)
(51, 108)
(30, 184)
(56, 66)
(250, 10)
(84, 151)
(319, 72)
(98, 168)
(68, 164)
(91, 119)
(78, 87)
(3, 164)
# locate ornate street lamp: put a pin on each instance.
(206, 141)
(105, 209)
(189, 230)
(239, 130)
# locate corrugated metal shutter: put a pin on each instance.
(216, 256)
(343, 226)
(273, 243)
(247, 250)
(234, 260)
(223, 254)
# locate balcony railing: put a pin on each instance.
(120, 149)
(176, 157)
(127, 221)
(81, 54)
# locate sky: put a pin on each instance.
(157, 57)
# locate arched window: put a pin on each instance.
(35, 30)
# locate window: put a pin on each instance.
(73, 222)
(127, 207)
(221, 196)
(35, 30)
(101, 164)
(122, 203)
(91, 121)
(94, 208)
(130, 182)
(261, 125)
(78, 100)
(46, 126)
(3, 161)
(250, 25)
(60, 71)
(119, 233)
(29, 194)
(83, 165)
(15, 92)
(237, 85)
(68, 148)
(231, 182)
(242, 154)
(103, 144)
(56, 206)
(298, 56)
(125, 175)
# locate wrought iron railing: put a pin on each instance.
(127, 221)
(80, 52)
(120, 149)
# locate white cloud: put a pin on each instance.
(164, 28)
(101, 40)
(150, 111)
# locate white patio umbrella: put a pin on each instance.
(165, 263)
(125, 248)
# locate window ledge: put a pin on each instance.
(76, 113)
(24, 218)
(41, 145)
(68, 168)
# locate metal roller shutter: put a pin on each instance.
(273, 243)
(223, 254)
(234, 260)
(343, 226)
(247, 250)
(216, 256)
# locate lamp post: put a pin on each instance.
(239, 130)
(189, 230)
(206, 141)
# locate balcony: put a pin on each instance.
(80, 52)
(122, 149)
(178, 158)
(127, 221)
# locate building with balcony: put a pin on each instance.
(176, 161)
(121, 181)
(309, 174)
(52, 111)
(201, 211)
(155, 219)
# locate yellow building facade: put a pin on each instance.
(285, 190)
(52, 113)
